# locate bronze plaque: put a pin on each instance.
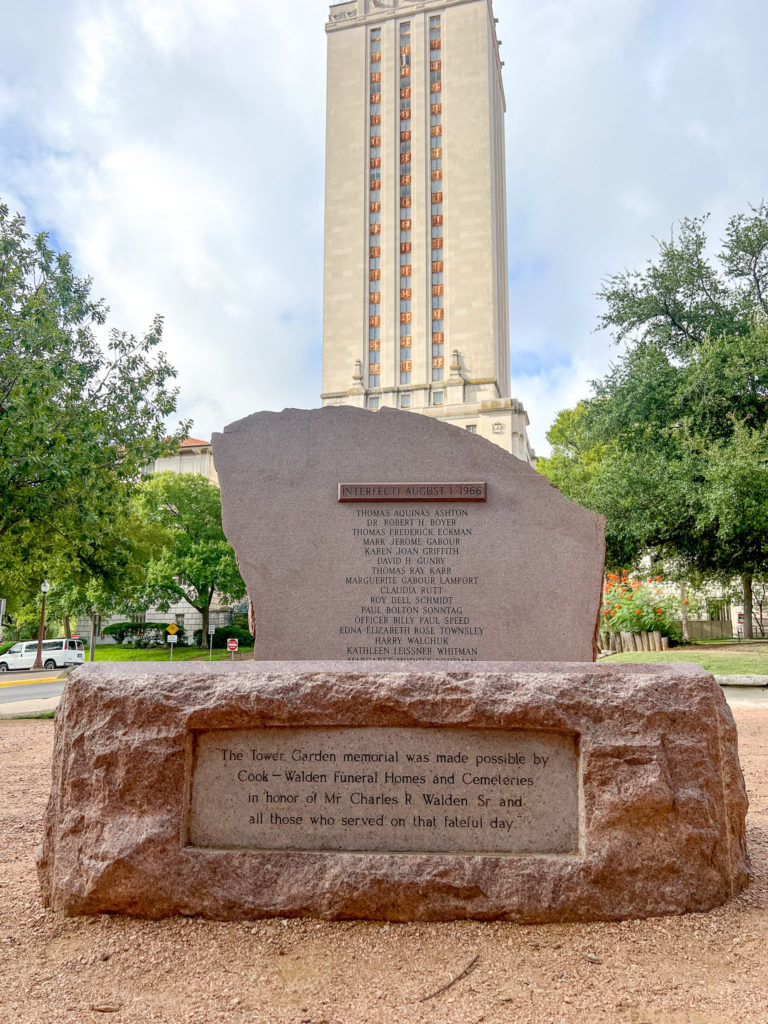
(413, 492)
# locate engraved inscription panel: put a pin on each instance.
(442, 790)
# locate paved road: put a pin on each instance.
(31, 691)
(28, 676)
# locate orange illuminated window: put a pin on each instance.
(436, 153)
(405, 364)
(405, 115)
(405, 49)
(405, 247)
(376, 58)
(405, 158)
(437, 219)
(375, 186)
(437, 314)
(405, 201)
(376, 118)
(405, 225)
(405, 341)
(437, 175)
(434, 65)
(405, 293)
(436, 108)
(405, 136)
(438, 338)
(376, 76)
(437, 197)
(404, 271)
(376, 161)
(436, 129)
(374, 321)
(374, 368)
(375, 229)
(375, 297)
(374, 275)
(405, 318)
(437, 266)
(405, 179)
(437, 362)
(437, 289)
(375, 97)
(375, 140)
(405, 92)
(375, 207)
(375, 250)
(435, 87)
(435, 44)
(374, 345)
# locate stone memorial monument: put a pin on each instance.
(423, 734)
(393, 536)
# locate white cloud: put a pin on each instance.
(176, 148)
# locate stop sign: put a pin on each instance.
(231, 645)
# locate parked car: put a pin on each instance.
(56, 654)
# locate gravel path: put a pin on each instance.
(700, 969)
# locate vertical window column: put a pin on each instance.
(374, 212)
(436, 207)
(406, 293)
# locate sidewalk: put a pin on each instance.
(25, 708)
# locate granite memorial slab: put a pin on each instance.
(392, 536)
(401, 791)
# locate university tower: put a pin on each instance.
(415, 311)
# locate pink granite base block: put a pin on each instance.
(545, 792)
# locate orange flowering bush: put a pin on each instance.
(635, 605)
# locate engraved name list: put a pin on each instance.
(416, 568)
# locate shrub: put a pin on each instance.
(635, 605)
(6, 646)
(141, 634)
(224, 633)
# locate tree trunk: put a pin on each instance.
(746, 582)
(67, 628)
(684, 614)
(206, 617)
(92, 645)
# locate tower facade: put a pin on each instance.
(415, 311)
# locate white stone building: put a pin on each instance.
(415, 310)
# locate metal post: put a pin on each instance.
(44, 587)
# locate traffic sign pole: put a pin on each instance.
(211, 631)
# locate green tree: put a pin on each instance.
(194, 560)
(675, 431)
(80, 413)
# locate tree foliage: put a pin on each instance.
(80, 415)
(194, 561)
(673, 446)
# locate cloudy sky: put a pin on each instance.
(175, 148)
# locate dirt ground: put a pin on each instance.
(700, 969)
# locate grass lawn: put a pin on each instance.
(113, 652)
(738, 661)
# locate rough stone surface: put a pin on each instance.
(662, 803)
(435, 581)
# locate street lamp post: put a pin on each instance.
(45, 586)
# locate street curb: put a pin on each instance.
(742, 680)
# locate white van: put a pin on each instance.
(56, 654)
